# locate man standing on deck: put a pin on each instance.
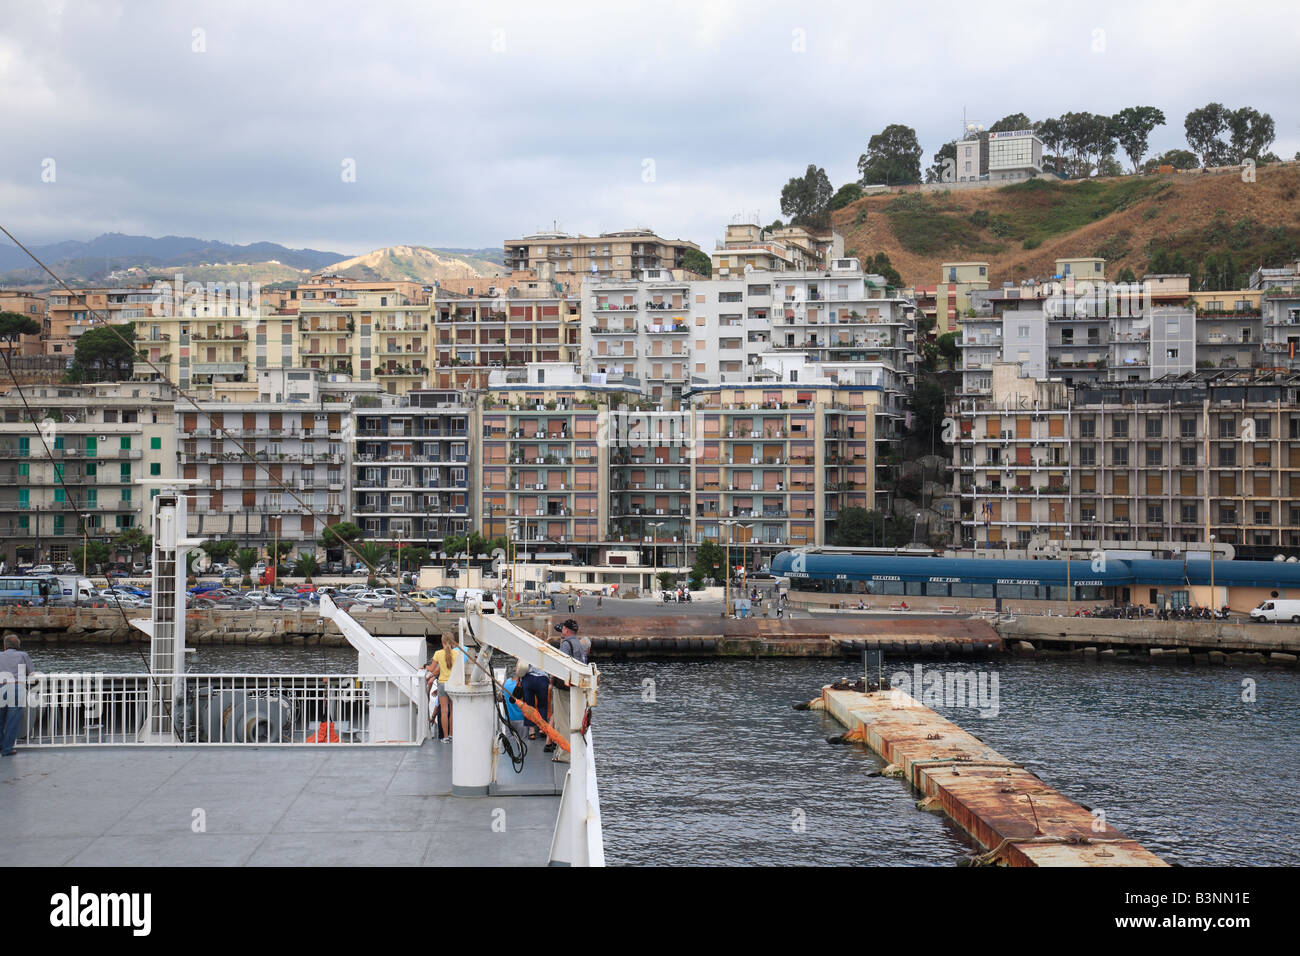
(15, 668)
(576, 648)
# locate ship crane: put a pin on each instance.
(577, 840)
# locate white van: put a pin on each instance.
(1277, 610)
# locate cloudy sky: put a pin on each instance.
(470, 123)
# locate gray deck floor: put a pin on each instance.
(315, 806)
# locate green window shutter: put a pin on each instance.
(60, 496)
(58, 472)
(126, 495)
(126, 443)
(24, 448)
(155, 443)
(92, 470)
(126, 472)
(92, 498)
(153, 493)
(24, 470)
(92, 446)
(58, 443)
(24, 498)
(22, 522)
(155, 468)
(58, 524)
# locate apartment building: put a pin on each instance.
(1176, 459)
(640, 332)
(626, 254)
(85, 454)
(748, 247)
(472, 336)
(835, 326)
(412, 466)
(273, 458)
(377, 335)
(775, 465)
(545, 458)
(71, 314)
(952, 294)
(213, 338)
(34, 307)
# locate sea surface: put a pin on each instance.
(706, 761)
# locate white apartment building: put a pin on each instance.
(835, 326)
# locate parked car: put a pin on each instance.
(370, 598)
(42, 569)
(450, 605)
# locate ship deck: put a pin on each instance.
(269, 806)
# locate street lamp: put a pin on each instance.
(399, 569)
(726, 590)
(743, 542)
(1212, 595)
(85, 553)
(275, 577)
(654, 548)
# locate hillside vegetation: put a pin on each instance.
(1214, 226)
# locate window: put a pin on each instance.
(1189, 514)
(1227, 515)
(1155, 513)
(1119, 428)
(126, 472)
(126, 495)
(1263, 516)
(155, 443)
(24, 498)
(1187, 427)
(1262, 428)
(1227, 427)
(1119, 455)
(155, 469)
(1154, 427)
(1187, 455)
(1154, 457)
(1227, 456)
(1087, 455)
(125, 444)
(92, 498)
(1087, 428)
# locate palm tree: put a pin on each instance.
(245, 558)
(306, 566)
(372, 554)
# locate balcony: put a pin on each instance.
(218, 368)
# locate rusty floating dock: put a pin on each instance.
(1017, 818)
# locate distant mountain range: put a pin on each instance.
(115, 257)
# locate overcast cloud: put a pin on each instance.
(476, 122)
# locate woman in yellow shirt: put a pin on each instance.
(440, 668)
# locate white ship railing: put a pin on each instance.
(290, 710)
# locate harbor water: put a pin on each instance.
(705, 761)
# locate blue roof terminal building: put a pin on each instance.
(833, 575)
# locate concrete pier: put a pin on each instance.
(1013, 815)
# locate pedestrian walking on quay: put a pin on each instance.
(16, 668)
